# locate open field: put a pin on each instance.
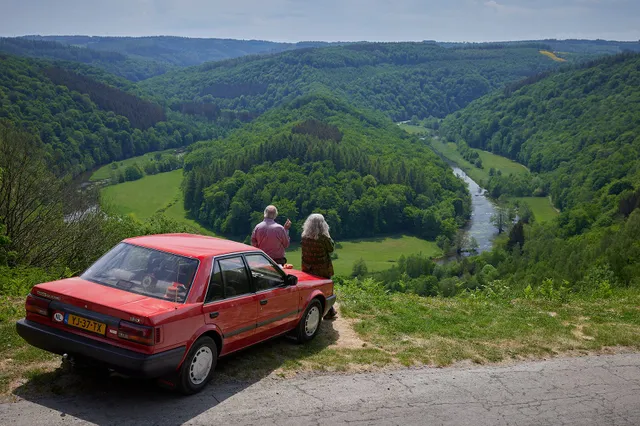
(151, 194)
(489, 160)
(104, 172)
(143, 197)
(378, 253)
(541, 206)
(410, 128)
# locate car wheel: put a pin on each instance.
(197, 368)
(309, 324)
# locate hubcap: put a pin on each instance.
(200, 365)
(312, 321)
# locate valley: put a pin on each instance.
(498, 221)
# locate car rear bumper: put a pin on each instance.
(329, 304)
(125, 361)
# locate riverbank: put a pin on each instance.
(543, 209)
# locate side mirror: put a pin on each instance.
(291, 280)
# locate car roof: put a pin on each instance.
(190, 245)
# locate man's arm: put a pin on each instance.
(284, 237)
(254, 238)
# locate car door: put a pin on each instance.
(231, 303)
(277, 302)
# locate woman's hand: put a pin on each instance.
(287, 224)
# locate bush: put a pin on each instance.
(359, 268)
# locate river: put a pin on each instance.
(479, 225)
(482, 208)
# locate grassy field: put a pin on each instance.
(143, 197)
(378, 253)
(410, 128)
(104, 172)
(489, 160)
(155, 193)
(541, 206)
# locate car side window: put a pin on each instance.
(216, 289)
(234, 277)
(265, 274)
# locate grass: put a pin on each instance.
(439, 331)
(144, 197)
(489, 160)
(104, 172)
(552, 56)
(541, 207)
(413, 129)
(379, 253)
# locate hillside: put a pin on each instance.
(84, 122)
(133, 69)
(579, 132)
(177, 51)
(319, 154)
(578, 129)
(400, 79)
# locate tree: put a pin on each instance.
(516, 235)
(359, 268)
(501, 219)
(46, 220)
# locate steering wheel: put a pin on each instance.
(148, 282)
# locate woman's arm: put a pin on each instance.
(329, 244)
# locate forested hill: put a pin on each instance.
(178, 51)
(580, 129)
(84, 122)
(400, 79)
(319, 154)
(133, 69)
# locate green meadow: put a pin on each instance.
(541, 207)
(104, 172)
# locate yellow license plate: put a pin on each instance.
(86, 324)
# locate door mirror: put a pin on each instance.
(290, 280)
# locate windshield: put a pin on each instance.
(144, 271)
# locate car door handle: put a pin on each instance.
(263, 301)
(213, 314)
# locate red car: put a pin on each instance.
(167, 306)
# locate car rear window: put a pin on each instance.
(144, 271)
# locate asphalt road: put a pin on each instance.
(599, 390)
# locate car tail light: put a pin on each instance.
(37, 305)
(136, 333)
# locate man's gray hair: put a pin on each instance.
(314, 226)
(271, 212)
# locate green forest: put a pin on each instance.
(319, 154)
(400, 79)
(85, 122)
(577, 130)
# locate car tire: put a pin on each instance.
(309, 324)
(197, 369)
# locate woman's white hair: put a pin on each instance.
(314, 226)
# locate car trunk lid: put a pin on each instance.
(103, 299)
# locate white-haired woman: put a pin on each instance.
(317, 247)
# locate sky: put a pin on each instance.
(328, 20)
